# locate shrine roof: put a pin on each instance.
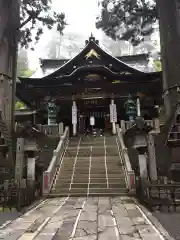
(93, 54)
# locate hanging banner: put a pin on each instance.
(113, 113)
(74, 114)
(92, 121)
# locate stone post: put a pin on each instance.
(31, 170)
(152, 157)
(143, 166)
(61, 128)
(19, 159)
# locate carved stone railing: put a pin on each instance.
(155, 124)
(129, 173)
(55, 130)
(50, 174)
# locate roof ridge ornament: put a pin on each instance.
(92, 39)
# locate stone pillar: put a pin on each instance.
(31, 171)
(143, 166)
(19, 159)
(113, 116)
(152, 157)
(74, 118)
(61, 128)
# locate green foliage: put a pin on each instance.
(158, 65)
(27, 73)
(129, 20)
(19, 105)
(35, 15)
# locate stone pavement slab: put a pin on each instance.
(79, 218)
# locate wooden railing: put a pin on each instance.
(155, 124)
(50, 175)
(129, 173)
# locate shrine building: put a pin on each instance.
(90, 82)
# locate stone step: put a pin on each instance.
(91, 185)
(93, 180)
(91, 190)
(65, 194)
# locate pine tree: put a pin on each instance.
(129, 20)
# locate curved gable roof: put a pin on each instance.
(100, 58)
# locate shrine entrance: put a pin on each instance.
(97, 108)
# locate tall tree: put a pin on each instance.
(18, 19)
(169, 22)
(129, 20)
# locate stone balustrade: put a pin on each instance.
(50, 174)
(129, 173)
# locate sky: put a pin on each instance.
(80, 15)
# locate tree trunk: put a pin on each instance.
(170, 49)
(9, 25)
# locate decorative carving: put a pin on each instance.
(92, 53)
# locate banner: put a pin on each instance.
(113, 113)
(74, 114)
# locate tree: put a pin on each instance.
(129, 20)
(37, 14)
(18, 19)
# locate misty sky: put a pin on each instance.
(81, 16)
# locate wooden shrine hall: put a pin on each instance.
(91, 81)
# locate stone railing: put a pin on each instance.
(55, 130)
(155, 124)
(50, 174)
(129, 173)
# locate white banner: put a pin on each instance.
(92, 121)
(113, 113)
(74, 114)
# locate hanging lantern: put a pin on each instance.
(130, 108)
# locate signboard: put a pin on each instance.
(113, 113)
(74, 114)
(92, 121)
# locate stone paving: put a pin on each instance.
(170, 221)
(92, 218)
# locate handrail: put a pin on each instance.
(50, 174)
(129, 172)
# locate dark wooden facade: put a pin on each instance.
(92, 78)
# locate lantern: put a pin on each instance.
(130, 108)
(52, 113)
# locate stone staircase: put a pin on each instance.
(91, 167)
